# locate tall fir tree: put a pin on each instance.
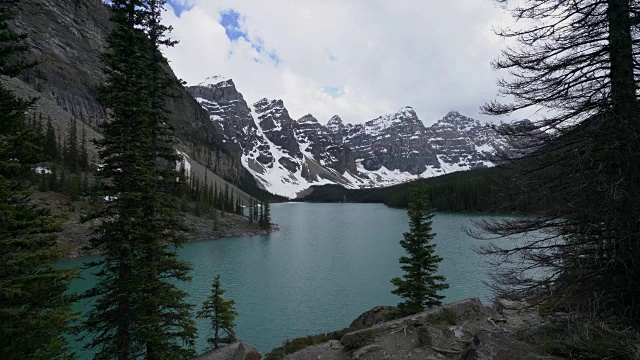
(223, 202)
(266, 220)
(222, 315)
(255, 212)
(169, 329)
(34, 310)
(83, 156)
(215, 195)
(71, 147)
(419, 286)
(139, 312)
(50, 145)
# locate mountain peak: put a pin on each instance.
(335, 120)
(212, 81)
(455, 118)
(407, 112)
(308, 118)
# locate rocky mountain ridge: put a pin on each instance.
(287, 156)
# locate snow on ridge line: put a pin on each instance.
(214, 80)
(382, 177)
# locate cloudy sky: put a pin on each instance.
(355, 58)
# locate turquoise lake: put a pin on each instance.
(326, 265)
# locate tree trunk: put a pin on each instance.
(621, 56)
(216, 341)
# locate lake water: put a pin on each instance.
(326, 265)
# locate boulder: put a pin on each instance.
(365, 350)
(501, 304)
(430, 336)
(372, 317)
(487, 345)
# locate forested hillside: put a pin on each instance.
(468, 191)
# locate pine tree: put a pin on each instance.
(266, 220)
(216, 220)
(206, 183)
(83, 156)
(223, 201)
(71, 148)
(419, 286)
(139, 311)
(34, 310)
(255, 211)
(227, 197)
(50, 146)
(222, 315)
(211, 197)
(43, 185)
(251, 211)
(216, 201)
(60, 149)
(53, 178)
(75, 188)
(62, 184)
(261, 218)
(578, 60)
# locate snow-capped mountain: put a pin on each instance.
(287, 156)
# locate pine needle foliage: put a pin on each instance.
(35, 312)
(222, 315)
(139, 311)
(420, 284)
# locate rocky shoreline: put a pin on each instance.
(465, 330)
(75, 234)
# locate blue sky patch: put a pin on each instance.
(231, 22)
(234, 27)
(274, 57)
(178, 8)
(334, 91)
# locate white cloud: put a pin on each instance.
(381, 54)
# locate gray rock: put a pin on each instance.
(371, 317)
(235, 351)
(334, 344)
(487, 345)
(430, 336)
(365, 350)
(500, 305)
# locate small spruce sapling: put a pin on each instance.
(419, 286)
(222, 315)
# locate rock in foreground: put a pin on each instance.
(462, 330)
(235, 351)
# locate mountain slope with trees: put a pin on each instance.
(35, 308)
(467, 191)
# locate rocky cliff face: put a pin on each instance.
(287, 156)
(394, 141)
(67, 38)
(465, 142)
